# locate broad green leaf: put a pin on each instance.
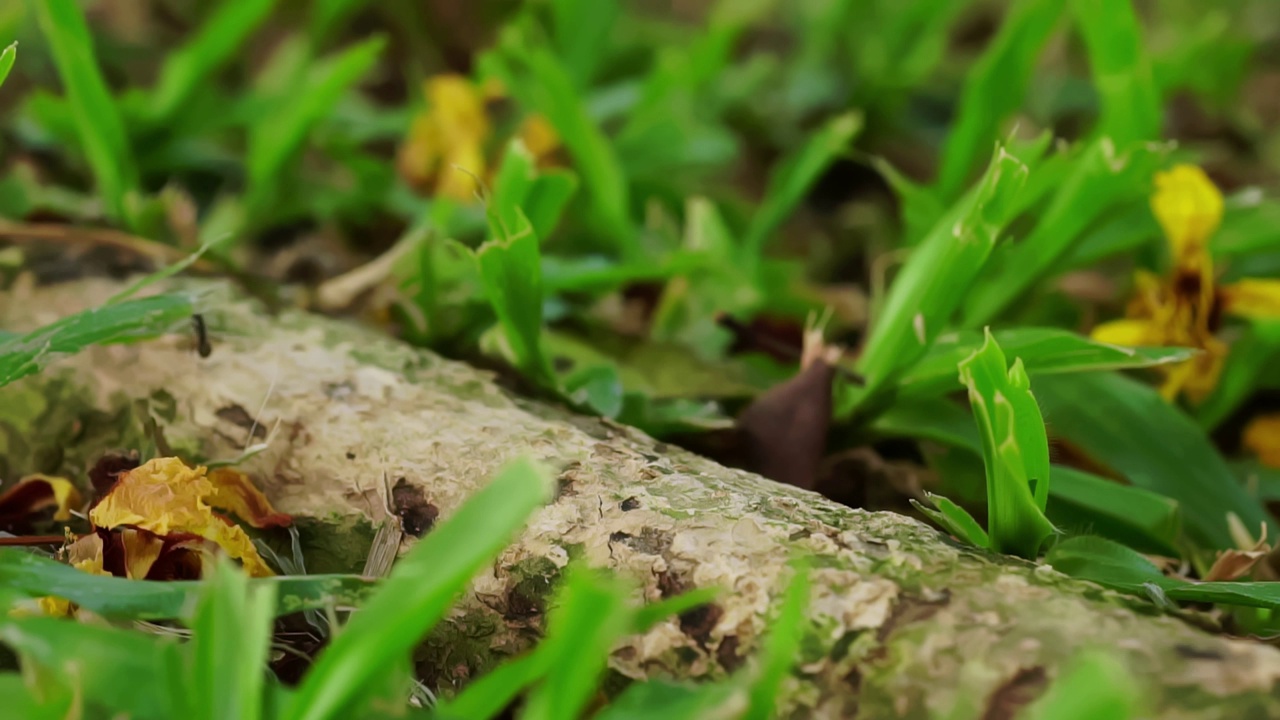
(218, 39)
(121, 322)
(1250, 224)
(1042, 351)
(115, 597)
(1144, 520)
(44, 702)
(994, 89)
(955, 520)
(927, 291)
(596, 387)
(590, 616)
(930, 418)
(511, 271)
(1093, 686)
(781, 647)
(1130, 101)
(1099, 179)
(789, 182)
(7, 58)
(520, 187)
(1015, 450)
(119, 673)
(231, 637)
(1126, 425)
(97, 119)
(421, 588)
(277, 136)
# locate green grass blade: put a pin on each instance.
(216, 42)
(1094, 686)
(994, 89)
(1098, 180)
(541, 83)
(328, 14)
(1015, 450)
(927, 291)
(1167, 453)
(7, 58)
(1127, 90)
(781, 647)
(793, 178)
(510, 268)
(119, 598)
(277, 136)
(489, 694)
(660, 700)
(420, 589)
(955, 520)
(1141, 519)
(590, 616)
(1043, 351)
(121, 322)
(581, 30)
(231, 635)
(97, 119)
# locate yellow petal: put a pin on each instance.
(85, 554)
(165, 496)
(1262, 436)
(1128, 332)
(37, 492)
(233, 492)
(141, 550)
(539, 136)
(1259, 299)
(1188, 206)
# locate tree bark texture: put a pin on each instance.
(902, 622)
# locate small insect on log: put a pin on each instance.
(202, 336)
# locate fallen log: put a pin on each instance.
(902, 622)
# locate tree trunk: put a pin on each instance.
(902, 622)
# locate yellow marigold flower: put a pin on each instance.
(448, 143)
(1185, 308)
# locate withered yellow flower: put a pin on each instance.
(1186, 307)
(449, 142)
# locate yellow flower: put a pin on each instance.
(447, 145)
(1262, 436)
(1186, 307)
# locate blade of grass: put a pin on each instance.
(1127, 90)
(489, 694)
(422, 586)
(1141, 519)
(1097, 414)
(955, 520)
(97, 119)
(120, 598)
(793, 178)
(231, 636)
(994, 89)
(511, 271)
(659, 699)
(781, 647)
(281, 132)
(941, 268)
(7, 58)
(1093, 686)
(217, 40)
(581, 30)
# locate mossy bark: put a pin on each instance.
(902, 623)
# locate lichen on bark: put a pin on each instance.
(901, 623)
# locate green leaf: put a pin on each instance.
(1127, 426)
(115, 597)
(520, 187)
(231, 636)
(541, 83)
(1015, 450)
(1130, 101)
(121, 672)
(1141, 519)
(1099, 179)
(669, 701)
(421, 588)
(590, 616)
(488, 695)
(955, 520)
(1093, 686)
(581, 30)
(927, 291)
(97, 120)
(43, 702)
(994, 89)
(1043, 351)
(793, 177)
(781, 647)
(277, 136)
(216, 42)
(117, 323)
(511, 271)
(7, 58)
